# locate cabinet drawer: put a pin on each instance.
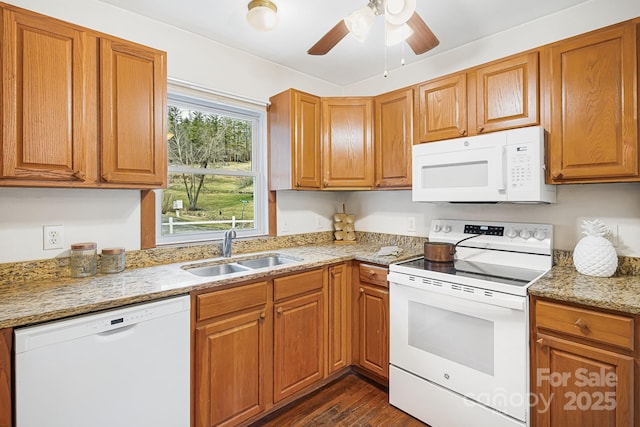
(218, 303)
(581, 322)
(286, 287)
(374, 275)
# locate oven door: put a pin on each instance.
(455, 339)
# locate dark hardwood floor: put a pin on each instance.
(351, 401)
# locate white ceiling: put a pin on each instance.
(303, 22)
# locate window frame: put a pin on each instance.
(202, 100)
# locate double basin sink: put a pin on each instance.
(239, 266)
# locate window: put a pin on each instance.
(216, 173)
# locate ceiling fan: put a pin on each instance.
(402, 23)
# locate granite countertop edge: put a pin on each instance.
(47, 300)
(565, 284)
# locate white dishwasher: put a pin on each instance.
(127, 367)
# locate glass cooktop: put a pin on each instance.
(476, 270)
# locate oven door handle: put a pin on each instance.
(496, 298)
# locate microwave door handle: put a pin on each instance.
(502, 169)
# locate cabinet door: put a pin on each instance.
(44, 87)
(594, 107)
(347, 130)
(507, 93)
(374, 329)
(393, 139)
(297, 344)
(6, 340)
(306, 145)
(230, 369)
(442, 108)
(580, 385)
(339, 293)
(133, 131)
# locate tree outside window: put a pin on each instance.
(216, 173)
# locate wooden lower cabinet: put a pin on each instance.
(258, 346)
(339, 309)
(372, 327)
(298, 333)
(582, 372)
(231, 353)
(6, 407)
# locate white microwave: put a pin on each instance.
(505, 166)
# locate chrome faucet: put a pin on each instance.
(229, 235)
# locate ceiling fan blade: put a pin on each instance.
(329, 40)
(422, 38)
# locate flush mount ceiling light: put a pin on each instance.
(262, 15)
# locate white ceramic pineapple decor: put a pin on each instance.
(594, 255)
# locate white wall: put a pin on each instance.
(308, 211)
(618, 205)
(108, 217)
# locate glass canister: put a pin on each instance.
(84, 261)
(112, 260)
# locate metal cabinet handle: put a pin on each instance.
(584, 327)
(480, 129)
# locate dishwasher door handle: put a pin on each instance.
(128, 329)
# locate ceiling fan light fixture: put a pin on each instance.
(396, 34)
(360, 22)
(262, 15)
(397, 12)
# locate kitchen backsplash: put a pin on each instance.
(24, 272)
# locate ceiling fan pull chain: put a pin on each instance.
(386, 74)
(402, 47)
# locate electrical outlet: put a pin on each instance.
(411, 224)
(53, 237)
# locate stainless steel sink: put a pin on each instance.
(216, 270)
(237, 266)
(267, 261)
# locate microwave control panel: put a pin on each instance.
(520, 172)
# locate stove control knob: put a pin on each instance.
(525, 234)
(447, 228)
(512, 233)
(437, 228)
(539, 235)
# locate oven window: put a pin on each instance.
(463, 339)
(456, 175)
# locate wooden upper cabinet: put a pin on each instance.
(507, 93)
(347, 142)
(79, 108)
(294, 139)
(442, 108)
(393, 139)
(44, 87)
(133, 88)
(594, 106)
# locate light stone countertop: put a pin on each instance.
(620, 293)
(27, 303)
